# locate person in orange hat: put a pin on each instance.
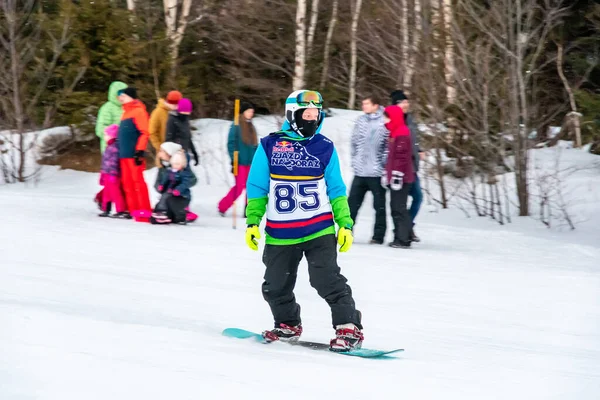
(159, 118)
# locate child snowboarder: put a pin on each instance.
(175, 189)
(399, 174)
(110, 175)
(296, 180)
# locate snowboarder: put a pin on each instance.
(178, 128)
(133, 139)
(399, 174)
(175, 189)
(369, 146)
(243, 139)
(110, 176)
(159, 118)
(296, 180)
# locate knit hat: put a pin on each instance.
(245, 106)
(170, 148)
(129, 91)
(112, 131)
(398, 96)
(178, 158)
(174, 96)
(184, 106)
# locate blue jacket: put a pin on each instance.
(181, 181)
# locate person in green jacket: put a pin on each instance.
(110, 112)
(243, 139)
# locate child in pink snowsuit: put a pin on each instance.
(110, 176)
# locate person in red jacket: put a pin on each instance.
(133, 139)
(399, 174)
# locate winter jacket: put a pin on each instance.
(158, 124)
(297, 182)
(133, 131)
(110, 112)
(369, 145)
(179, 131)
(399, 146)
(110, 159)
(177, 180)
(235, 143)
(414, 138)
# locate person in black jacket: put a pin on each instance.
(178, 128)
(174, 187)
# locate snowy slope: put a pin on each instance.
(97, 309)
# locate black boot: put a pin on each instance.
(122, 215)
(396, 244)
(413, 236)
(106, 213)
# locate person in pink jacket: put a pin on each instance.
(399, 174)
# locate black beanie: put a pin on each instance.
(129, 91)
(398, 96)
(245, 106)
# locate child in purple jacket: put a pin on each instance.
(110, 176)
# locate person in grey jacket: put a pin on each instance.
(369, 151)
(399, 98)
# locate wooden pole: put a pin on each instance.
(236, 122)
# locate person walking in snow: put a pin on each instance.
(399, 99)
(179, 130)
(174, 187)
(133, 139)
(110, 175)
(368, 150)
(159, 118)
(296, 180)
(399, 174)
(109, 114)
(243, 139)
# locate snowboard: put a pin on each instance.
(144, 216)
(363, 353)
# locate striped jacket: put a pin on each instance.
(369, 145)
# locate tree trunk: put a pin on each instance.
(574, 115)
(353, 54)
(404, 44)
(408, 74)
(300, 66)
(131, 5)
(314, 17)
(332, 22)
(449, 68)
(175, 30)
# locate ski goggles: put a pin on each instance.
(305, 99)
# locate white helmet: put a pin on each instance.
(301, 100)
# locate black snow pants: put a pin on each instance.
(400, 214)
(358, 190)
(174, 206)
(280, 278)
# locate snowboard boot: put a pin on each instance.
(348, 337)
(122, 215)
(396, 244)
(374, 241)
(284, 333)
(414, 237)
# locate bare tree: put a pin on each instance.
(131, 5)
(176, 19)
(26, 68)
(314, 17)
(300, 65)
(449, 53)
(353, 54)
(327, 49)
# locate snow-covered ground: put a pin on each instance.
(110, 309)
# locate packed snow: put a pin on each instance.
(92, 308)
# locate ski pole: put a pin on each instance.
(236, 122)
